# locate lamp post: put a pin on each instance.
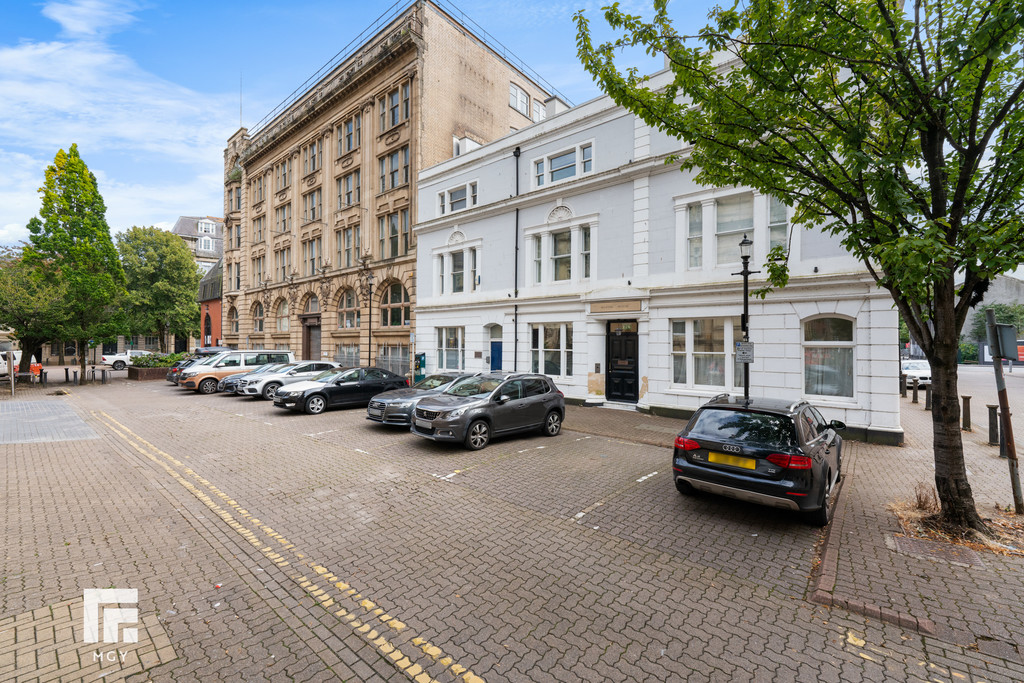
(366, 292)
(746, 246)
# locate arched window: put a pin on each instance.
(312, 305)
(282, 316)
(233, 319)
(348, 310)
(828, 357)
(207, 330)
(257, 317)
(394, 306)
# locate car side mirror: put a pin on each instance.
(504, 398)
(291, 372)
(837, 425)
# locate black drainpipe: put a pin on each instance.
(515, 314)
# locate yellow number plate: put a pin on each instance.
(734, 460)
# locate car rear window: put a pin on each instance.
(762, 429)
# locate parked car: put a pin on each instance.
(266, 384)
(204, 375)
(476, 408)
(773, 452)
(119, 361)
(231, 383)
(396, 407)
(338, 387)
(920, 369)
(34, 367)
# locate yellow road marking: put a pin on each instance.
(406, 665)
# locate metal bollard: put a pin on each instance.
(993, 424)
(927, 396)
(914, 399)
(903, 385)
(967, 414)
(75, 373)
(66, 377)
(105, 378)
(42, 378)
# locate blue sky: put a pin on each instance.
(149, 89)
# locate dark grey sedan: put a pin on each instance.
(396, 407)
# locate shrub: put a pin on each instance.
(156, 360)
(968, 352)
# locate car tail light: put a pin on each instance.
(790, 462)
(406, 382)
(686, 444)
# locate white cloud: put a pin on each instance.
(89, 18)
(156, 147)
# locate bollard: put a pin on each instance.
(92, 376)
(42, 378)
(993, 424)
(914, 399)
(75, 373)
(927, 396)
(967, 414)
(66, 377)
(903, 385)
(103, 375)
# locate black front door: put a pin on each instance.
(622, 378)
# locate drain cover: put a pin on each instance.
(933, 550)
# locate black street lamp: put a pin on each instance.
(366, 290)
(746, 246)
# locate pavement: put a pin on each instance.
(266, 545)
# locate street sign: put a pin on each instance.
(744, 352)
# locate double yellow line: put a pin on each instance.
(351, 607)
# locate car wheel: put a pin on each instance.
(823, 515)
(478, 435)
(208, 386)
(315, 405)
(685, 487)
(552, 424)
(270, 390)
(119, 365)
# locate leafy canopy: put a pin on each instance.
(898, 130)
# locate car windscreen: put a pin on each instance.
(269, 367)
(432, 381)
(756, 429)
(473, 386)
(327, 375)
(917, 367)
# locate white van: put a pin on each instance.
(36, 367)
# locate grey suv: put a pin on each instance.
(476, 408)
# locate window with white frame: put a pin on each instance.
(778, 225)
(734, 217)
(348, 310)
(282, 316)
(538, 261)
(206, 227)
(451, 349)
(701, 353)
(206, 244)
(585, 251)
(551, 349)
(540, 112)
(564, 165)
(458, 271)
(828, 357)
(561, 255)
(457, 198)
(518, 99)
(694, 235)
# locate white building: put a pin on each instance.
(570, 247)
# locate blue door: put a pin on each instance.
(495, 355)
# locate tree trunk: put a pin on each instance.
(955, 496)
(83, 349)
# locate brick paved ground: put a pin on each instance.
(346, 551)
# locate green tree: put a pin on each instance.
(1009, 314)
(30, 307)
(897, 128)
(70, 246)
(163, 282)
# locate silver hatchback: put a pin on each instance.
(476, 408)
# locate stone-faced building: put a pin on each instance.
(320, 197)
(204, 236)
